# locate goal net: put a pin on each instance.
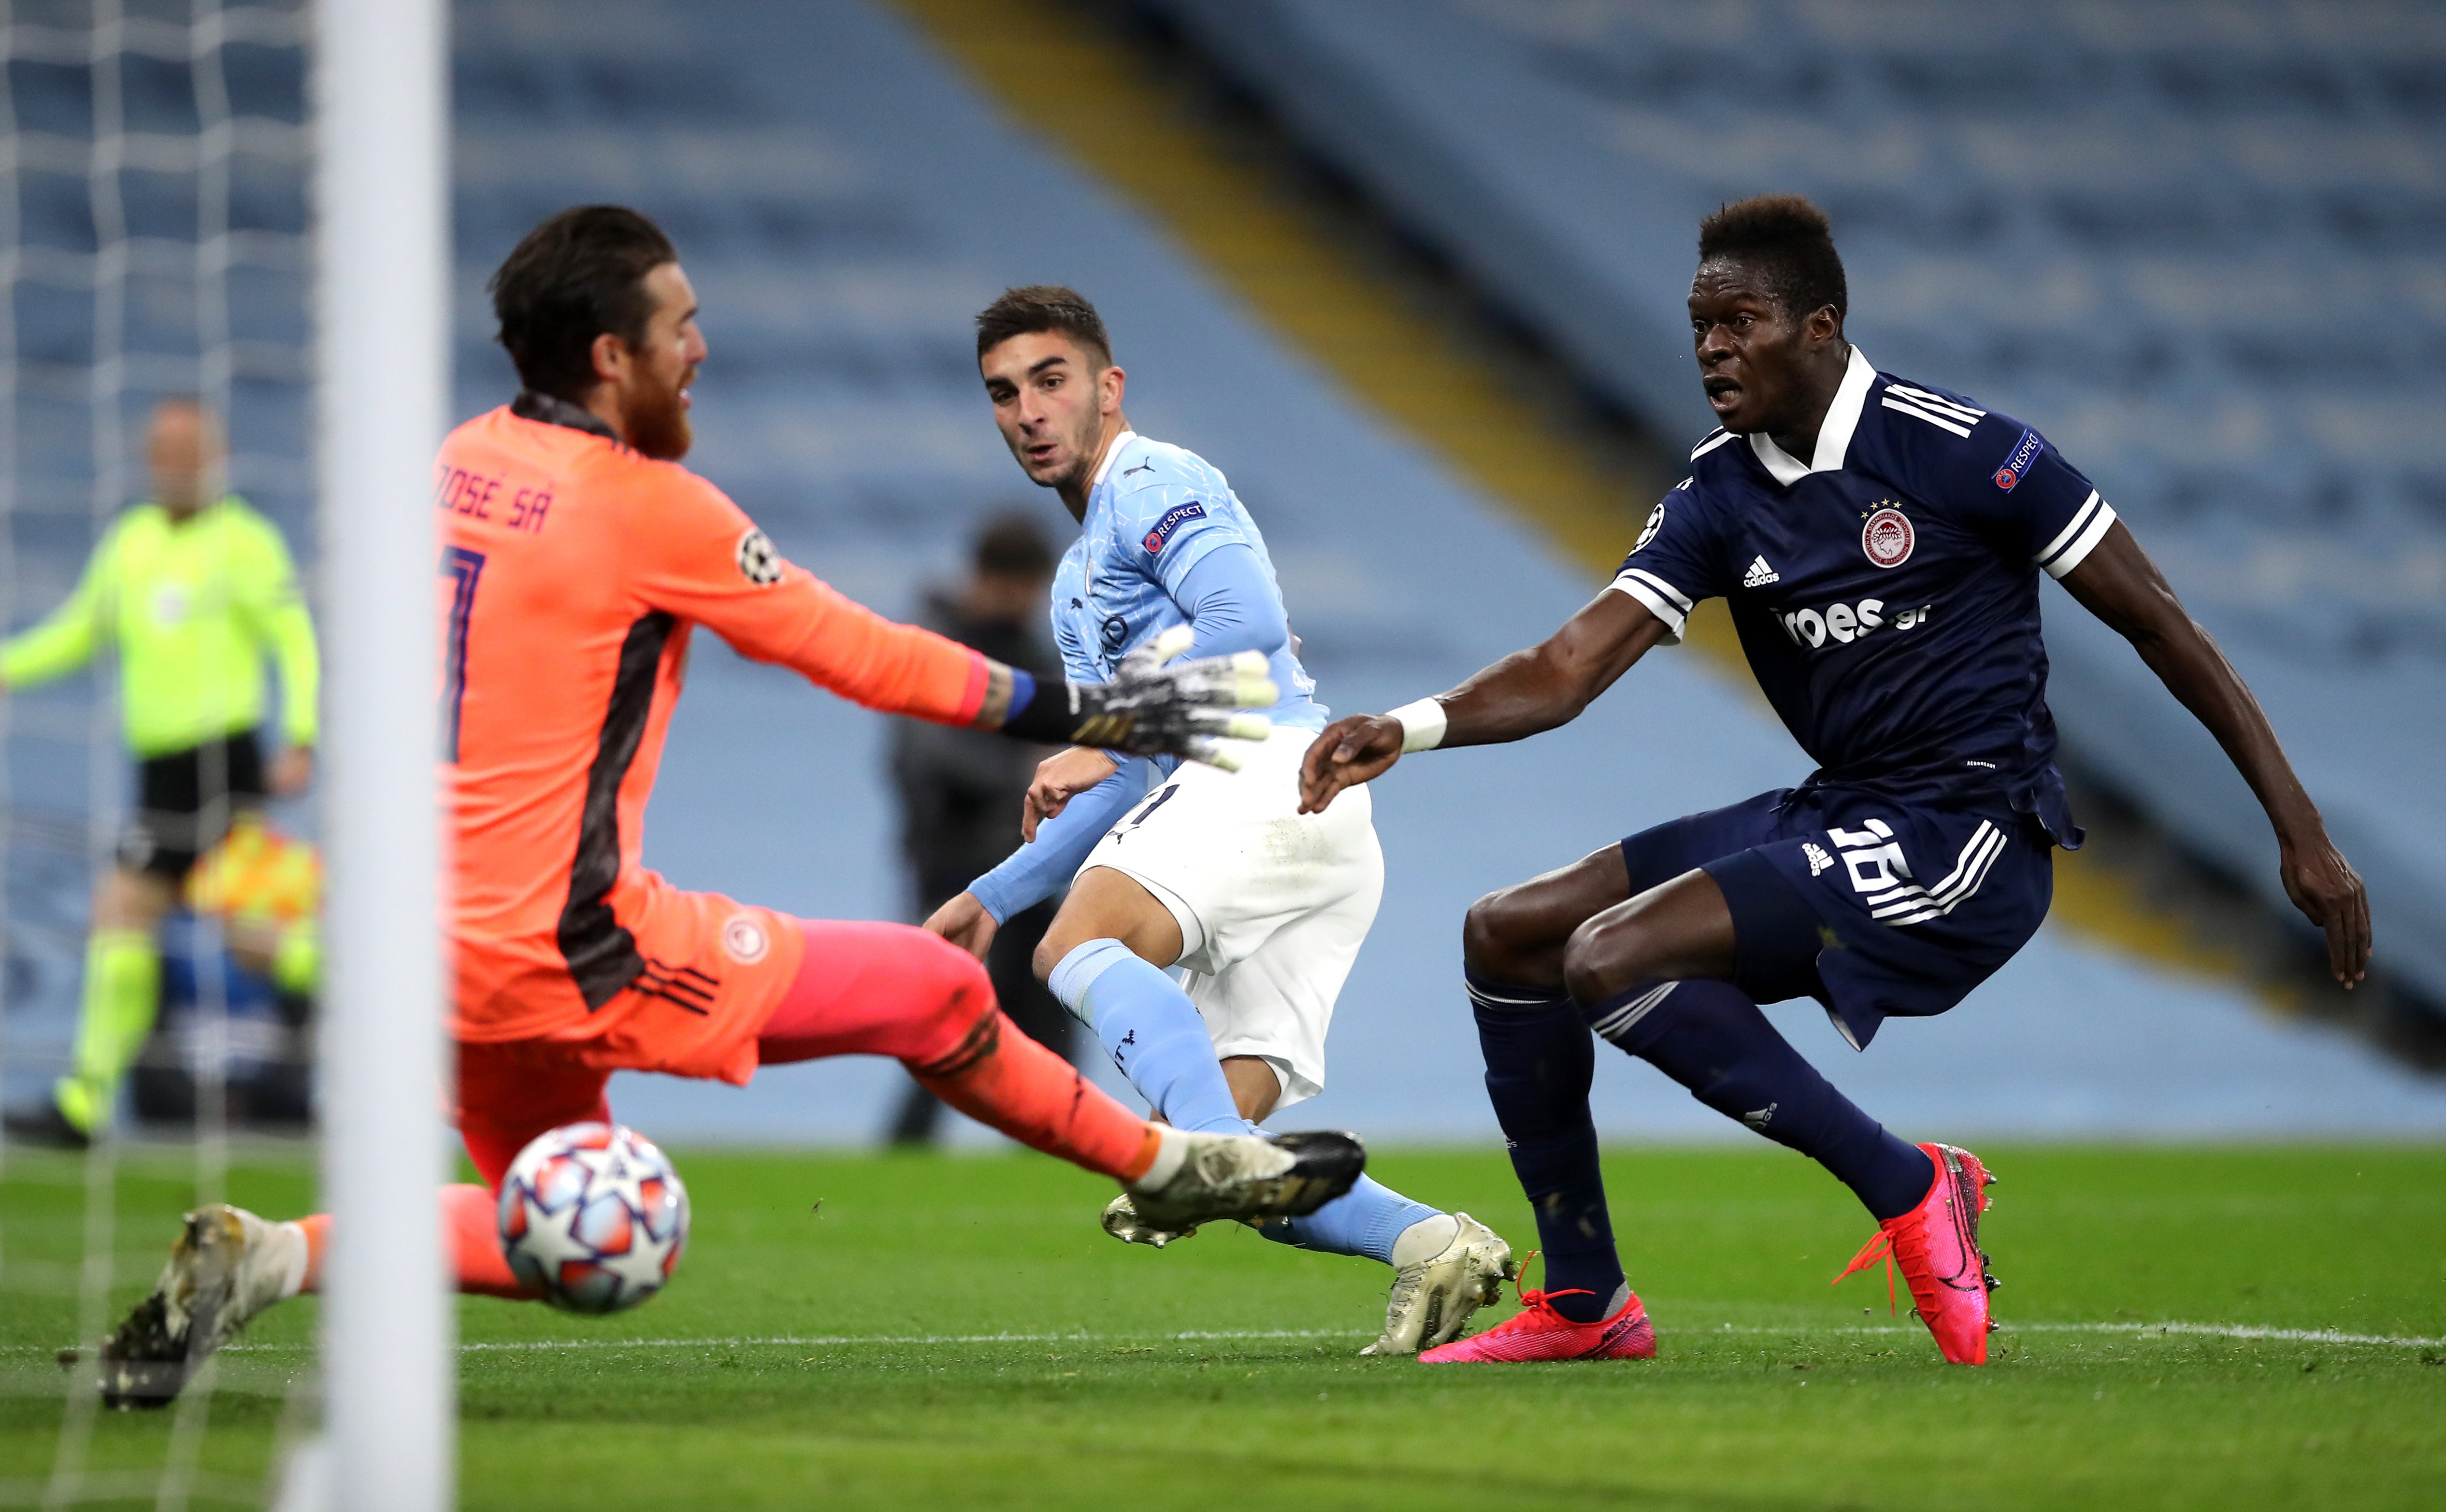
(234, 205)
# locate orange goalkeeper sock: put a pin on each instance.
(474, 1245)
(475, 1232)
(317, 1229)
(1002, 1078)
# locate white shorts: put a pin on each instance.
(1272, 903)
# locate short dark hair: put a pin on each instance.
(1012, 545)
(1789, 242)
(574, 277)
(1036, 308)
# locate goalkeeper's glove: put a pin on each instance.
(1156, 706)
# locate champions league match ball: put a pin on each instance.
(595, 1216)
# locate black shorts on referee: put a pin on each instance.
(184, 800)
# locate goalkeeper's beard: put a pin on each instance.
(658, 420)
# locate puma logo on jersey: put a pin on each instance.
(1759, 574)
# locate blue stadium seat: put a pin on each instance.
(2195, 243)
(844, 202)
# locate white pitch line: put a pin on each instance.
(802, 1340)
(2241, 1330)
(2299, 1336)
(2234, 1331)
(836, 1339)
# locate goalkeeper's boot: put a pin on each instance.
(1254, 1177)
(1537, 1332)
(1123, 1221)
(228, 1266)
(1936, 1245)
(1434, 1299)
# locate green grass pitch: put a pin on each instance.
(956, 1332)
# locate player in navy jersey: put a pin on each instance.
(1879, 542)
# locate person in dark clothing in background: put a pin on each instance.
(960, 790)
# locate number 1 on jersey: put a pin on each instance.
(1153, 803)
(463, 567)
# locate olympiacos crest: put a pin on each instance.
(1887, 538)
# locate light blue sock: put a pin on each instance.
(1152, 1030)
(1363, 1221)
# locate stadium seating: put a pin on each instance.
(2195, 243)
(152, 222)
(844, 201)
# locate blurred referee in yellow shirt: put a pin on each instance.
(197, 591)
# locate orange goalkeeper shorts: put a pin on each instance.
(853, 989)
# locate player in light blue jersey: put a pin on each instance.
(1213, 871)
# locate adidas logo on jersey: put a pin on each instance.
(1759, 574)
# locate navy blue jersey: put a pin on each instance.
(1887, 590)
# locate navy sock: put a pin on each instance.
(1711, 1038)
(1539, 1060)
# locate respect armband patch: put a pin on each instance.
(1173, 519)
(2017, 461)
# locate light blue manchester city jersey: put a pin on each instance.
(1154, 512)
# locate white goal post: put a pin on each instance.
(379, 110)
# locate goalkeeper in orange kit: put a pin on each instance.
(577, 557)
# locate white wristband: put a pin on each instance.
(1423, 725)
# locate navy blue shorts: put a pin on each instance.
(1876, 909)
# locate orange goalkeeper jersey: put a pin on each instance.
(573, 570)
